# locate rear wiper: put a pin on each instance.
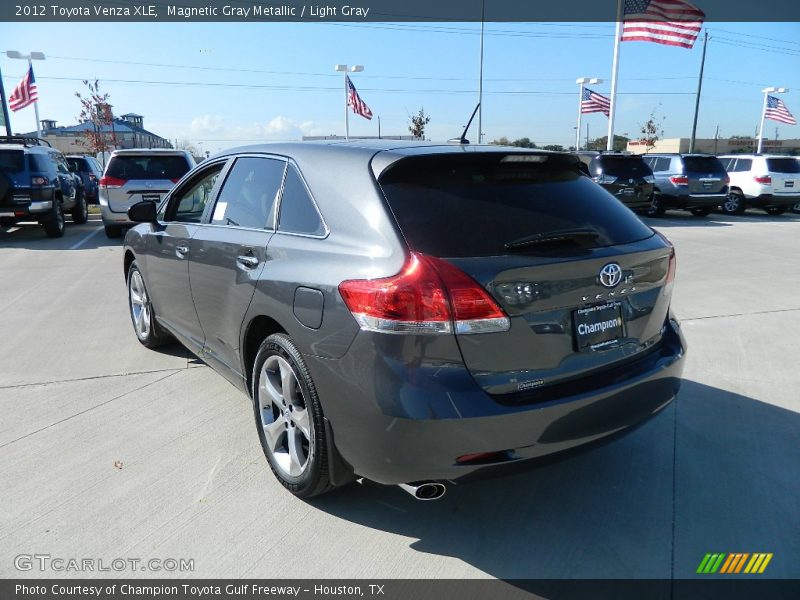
(561, 235)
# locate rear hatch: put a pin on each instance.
(583, 280)
(705, 175)
(14, 179)
(627, 177)
(130, 178)
(785, 175)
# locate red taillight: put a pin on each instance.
(39, 180)
(482, 457)
(679, 179)
(176, 180)
(763, 179)
(112, 182)
(428, 296)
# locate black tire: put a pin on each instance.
(313, 477)
(54, 225)
(796, 208)
(775, 210)
(80, 212)
(656, 208)
(700, 211)
(151, 334)
(734, 204)
(113, 231)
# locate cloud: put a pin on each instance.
(214, 127)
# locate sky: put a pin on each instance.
(219, 85)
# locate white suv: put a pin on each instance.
(769, 182)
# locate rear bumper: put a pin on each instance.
(415, 427)
(111, 217)
(33, 203)
(694, 200)
(773, 200)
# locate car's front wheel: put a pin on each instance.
(113, 231)
(796, 208)
(734, 203)
(775, 210)
(656, 208)
(80, 212)
(148, 331)
(289, 419)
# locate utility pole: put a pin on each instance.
(480, 77)
(716, 139)
(587, 136)
(6, 120)
(697, 97)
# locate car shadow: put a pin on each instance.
(29, 235)
(715, 471)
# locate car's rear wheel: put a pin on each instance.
(289, 418)
(775, 210)
(656, 208)
(54, 225)
(701, 211)
(148, 331)
(80, 212)
(734, 203)
(796, 208)
(113, 231)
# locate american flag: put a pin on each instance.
(25, 93)
(777, 111)
(670, 22)
(355, 102)
(592, 102)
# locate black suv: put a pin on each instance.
(626, 176)
(36, 183)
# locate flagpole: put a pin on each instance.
(5, 106)
(580, 114)
(761, 127)
(699, 88)
(480, 78)
(346, 114)
(35, 103)
(614, 72)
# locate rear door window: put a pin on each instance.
(77, 164)
(12, 161)
(783, 165)
(247, 198)
(147, 167)
(743, 164)
(473, 205)
(702, 164)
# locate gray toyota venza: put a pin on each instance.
(410, 313)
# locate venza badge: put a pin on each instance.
(610, 275)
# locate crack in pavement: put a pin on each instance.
(749, 314)
(189, 365)
(91, 408)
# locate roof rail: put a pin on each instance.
(24, 140)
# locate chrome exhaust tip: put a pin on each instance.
(424, 490)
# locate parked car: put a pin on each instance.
(36, 184)
(410, 313)
(87, 168)
(695, 182)
(626, 176)
(768, 182)
(135, 175)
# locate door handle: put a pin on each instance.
(181, 251)
(247, 261)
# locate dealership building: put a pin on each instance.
(717, 146)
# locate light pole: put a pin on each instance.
(345, 69)
(582, 81)
(767, 91)
(29, 57)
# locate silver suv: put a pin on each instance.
(695, 182)
(768, 182)
(135, 175)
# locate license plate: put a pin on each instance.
(152, 197)
(628, 191)
(6, 214)
(707, 185)
(598, 327)
(789, 183)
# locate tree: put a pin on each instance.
(519, 143)
(418, 123)
(620, 143)
(503, 141)
(555, 147)
(652, 130)
(96, 110)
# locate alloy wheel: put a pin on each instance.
(140, 305)
(731, 203)
(284, 417)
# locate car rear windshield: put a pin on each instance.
(78, 164)
(477, 204)
(623, 166)
(12, 161)
(702, 164)
(147, 167)
(783, 165)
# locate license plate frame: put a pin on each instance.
(598, 327)
(152, 197)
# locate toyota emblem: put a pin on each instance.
(610, 275)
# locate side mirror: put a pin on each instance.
(143, 212)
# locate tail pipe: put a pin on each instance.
(424, 490)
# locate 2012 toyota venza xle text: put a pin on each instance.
(410, 313)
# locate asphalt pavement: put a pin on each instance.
(109, 450)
